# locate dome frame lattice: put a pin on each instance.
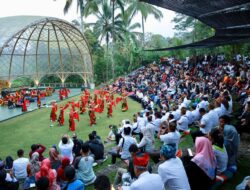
(47, 46)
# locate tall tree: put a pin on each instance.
(80, 5)
(145, 10)
(104, 27)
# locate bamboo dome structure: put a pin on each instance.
(35, 47)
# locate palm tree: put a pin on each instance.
(106, 28)
(145, 10)
(80, 6)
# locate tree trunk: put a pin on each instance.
(113, 43)
(143, 32)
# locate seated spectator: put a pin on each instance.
(172, 136)
(55, 158)
(201, 170)
(112, 133)
(219, 149)
(96, 147)
(42, 183)
(84, 171)
(182, 123)
(244, 185)
(8, 163)
(231, 139)
(146, 144)
(30, 179)
(102, 183)
(129, 171)
(77, 145)
(98, 138)
(10, 184)
(122, 150)
(39, 148)
(46, 171)
(20, 167)
(245, 120)
(145, 180)
(73, 183)
(172, 171)
(34, 164)
(66, 146)
(61, 179)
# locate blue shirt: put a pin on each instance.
(76, 185)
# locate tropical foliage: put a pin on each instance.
(117, 45)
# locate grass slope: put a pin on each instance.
(33, 127)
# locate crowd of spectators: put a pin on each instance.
(177, 100)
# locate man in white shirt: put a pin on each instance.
(145, 181)
(205, 125)
(172, 171)
(172, 137)
(123, 146)
(182, 123)
(20, 167)
(213, 115)
(66, 146)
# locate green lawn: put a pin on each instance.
(33, 127)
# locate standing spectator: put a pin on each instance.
(20, 167)
(85, 170)
(39, 148)
(172, 171)
(66, 146)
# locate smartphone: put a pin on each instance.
(190, 152)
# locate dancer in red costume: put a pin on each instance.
(53, 115)
(38, 100)
(124, 102)
(61, 116)
(61, 94)
(92, 118)
(110, 109)
(24, 105)
(83, 105)
(72, 125)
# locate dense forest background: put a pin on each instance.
(118, 48)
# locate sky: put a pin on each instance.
(54, 8)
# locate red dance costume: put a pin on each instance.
(72, 125)
(53, 115)
(61, 117)
(38, 101)
(24, 105)
(92, 117)
(110, 109)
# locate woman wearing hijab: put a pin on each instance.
(61, 179)
(34, 165)
(55, 158)
(201, 170)
(46, 171)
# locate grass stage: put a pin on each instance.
(34, 127)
